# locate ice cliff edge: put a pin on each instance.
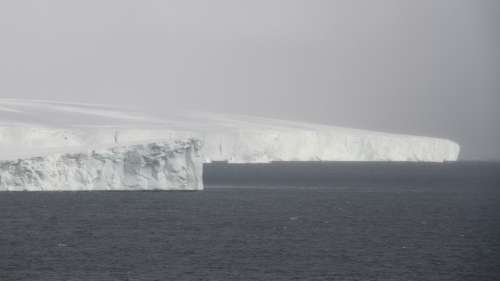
(157, 165)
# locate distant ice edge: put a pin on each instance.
(267, 146)
(172, 165)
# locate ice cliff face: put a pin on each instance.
(322, 145)
(158, 165)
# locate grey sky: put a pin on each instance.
(419, 67)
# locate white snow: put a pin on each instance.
(32, 128)
(167, 166)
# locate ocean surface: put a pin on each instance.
(377, 223)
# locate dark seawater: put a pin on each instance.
(411, 227)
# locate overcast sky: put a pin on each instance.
(417, 67)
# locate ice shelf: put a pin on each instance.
(31, 128)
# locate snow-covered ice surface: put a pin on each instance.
(32, 128)
(159, 165)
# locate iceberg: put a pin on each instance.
(30, 129)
